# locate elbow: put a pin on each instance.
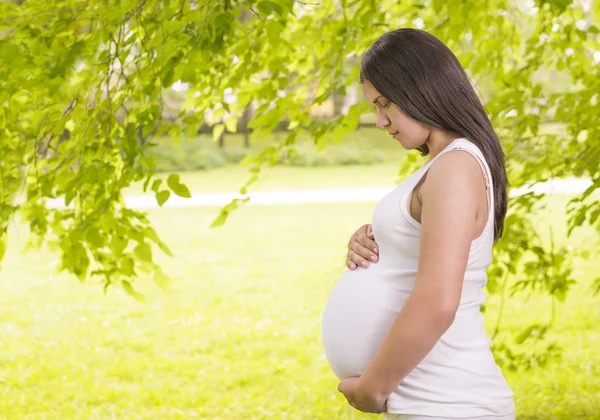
(439, 308)
(444, 315)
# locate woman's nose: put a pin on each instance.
(382, 121)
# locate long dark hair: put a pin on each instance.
(418, 73)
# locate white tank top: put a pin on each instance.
(459, 377)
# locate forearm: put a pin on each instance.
(415, 331)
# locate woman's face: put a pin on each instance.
(409, 132)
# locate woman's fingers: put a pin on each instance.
(362, 248)
(364, 252)
(367, 243)
(357, 260)
(370, 232)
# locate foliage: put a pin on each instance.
(100, 70)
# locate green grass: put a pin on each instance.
(238, 336)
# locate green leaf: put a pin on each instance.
(560, 293)
(218, 113)
(218, 129)
(162, 197)
(274, 29)
(70, 125)
(524, 335)
(94, 237)
(167, 77)
(148, 128)
(146, 182)
(222, 217)
(143, 251)
(71, 190)
(339, 133)
(156, 185)
(595, 11)
(492, 285)
(174, 26)
(164, 248)
(177, 187)
(153, 236)
(560, 5)
(322, 143)
(535, 330)
(248, 160)
(2, 248)
(118, 245)
(231, 124)
(131, 292)
(266, 7)
(596, 284)
(127, 267)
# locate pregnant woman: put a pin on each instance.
(405, 333)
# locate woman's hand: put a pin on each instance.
(359, 398)
(362, 248)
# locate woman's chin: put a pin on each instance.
(409, 146)
(406, 146)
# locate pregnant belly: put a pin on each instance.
(358, 315)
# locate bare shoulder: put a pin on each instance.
(456, 171)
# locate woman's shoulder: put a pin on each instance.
(453, 166)
(454, 173)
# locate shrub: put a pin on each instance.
(198, 155)
(234, 154)
(334, 155)
(203, 159)
(186, 158)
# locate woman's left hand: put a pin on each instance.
(360, 399)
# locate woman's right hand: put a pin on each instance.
(362, 248)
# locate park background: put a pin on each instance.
(118, 300)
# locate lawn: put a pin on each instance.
(238, 335)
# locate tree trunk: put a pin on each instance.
(244, 126)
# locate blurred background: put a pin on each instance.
(137, 280)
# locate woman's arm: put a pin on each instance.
(450, 198)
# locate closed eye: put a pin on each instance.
(387, 105)
(384, 105)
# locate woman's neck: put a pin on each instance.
(438, 140)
